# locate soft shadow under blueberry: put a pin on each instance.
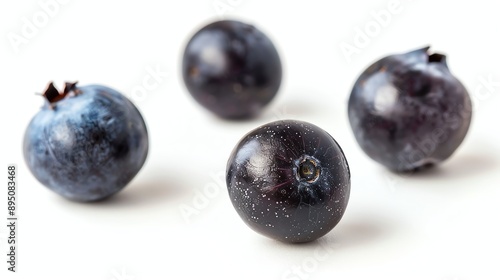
(458, 167)
(348, 234)
(145, 193)
(360, 233)
(142, 192)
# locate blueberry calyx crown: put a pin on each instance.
(437, 57)
(308, 170)
(431, 56)
(53, 95)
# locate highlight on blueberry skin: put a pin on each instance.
(232, 69)
(408, 111)
(86, 143)
(289, 180)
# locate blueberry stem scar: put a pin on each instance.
(308, 170)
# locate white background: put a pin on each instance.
(440, 225)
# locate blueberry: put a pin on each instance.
(407, 111)
(289, 180)
(232, 69)
(86, 143)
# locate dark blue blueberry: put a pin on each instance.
(407, 111)
(232, 69)
(86, 143)
(289, 180)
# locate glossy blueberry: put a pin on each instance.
(86, 143)
(407, 111)
(232, 69)
(289, 180)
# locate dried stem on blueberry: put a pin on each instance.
(70, 87)
(53, 95)
(437, 57)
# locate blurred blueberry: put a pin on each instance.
(232, 69)
(407, 111)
